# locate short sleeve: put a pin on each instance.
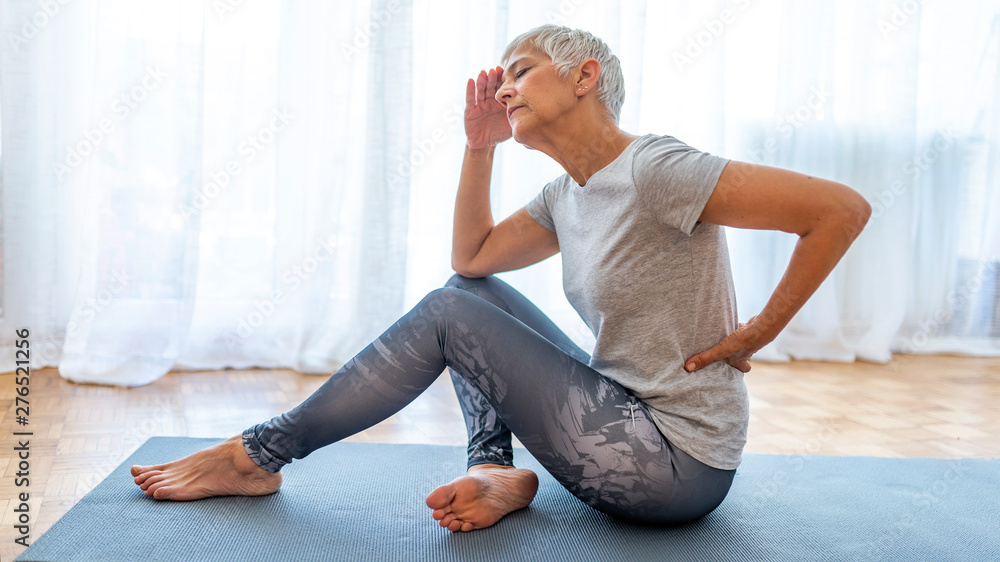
(674, 180)
(539, 209)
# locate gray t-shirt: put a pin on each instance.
(654, 286)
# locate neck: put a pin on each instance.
(584, 146)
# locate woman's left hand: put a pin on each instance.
(736, 349)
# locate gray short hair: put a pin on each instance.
(570, 47)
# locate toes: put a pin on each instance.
(155, 467)
(162, 493)
(467, 526)
(440, 513)
(151, 480)
(150, 491)
(150, 487)
(441, 497)
(446, 520)
(138, 470)
(455, 526)
(144, 477)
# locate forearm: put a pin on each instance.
(816, 254)
(473, 215)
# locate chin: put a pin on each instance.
(520, 138)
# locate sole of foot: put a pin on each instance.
(482, 497)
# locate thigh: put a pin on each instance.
(506, 298)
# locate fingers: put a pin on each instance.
(737, 359)
(499, 82)
(736, 349)
(705, 357)
(481, 86)
(491, 83)
(470, 94)
(484, 88)
(742, 364)
(698, 361)
(724, 350)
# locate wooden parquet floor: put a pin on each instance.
(931, 406)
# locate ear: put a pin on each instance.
(587, 75)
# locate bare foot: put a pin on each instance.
(220, 470)
(481, 497)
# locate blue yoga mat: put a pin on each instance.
(359, 501)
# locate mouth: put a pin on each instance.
(511, 110)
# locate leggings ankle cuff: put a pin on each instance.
(258, 454)
(501, 462)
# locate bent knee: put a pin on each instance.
(462, 282)
(445, 301)
(447, 305)
(441, 299)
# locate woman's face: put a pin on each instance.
(533, 93)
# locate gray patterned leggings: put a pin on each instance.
(513, 370)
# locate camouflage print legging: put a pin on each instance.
(513, 370)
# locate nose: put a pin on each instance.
(504, 92)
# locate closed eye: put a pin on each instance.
(520, 72)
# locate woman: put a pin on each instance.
(652, 426)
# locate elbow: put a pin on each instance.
(459, 267)
(845, 210)
(464, 269)
(857, 212)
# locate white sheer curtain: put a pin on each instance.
(222, 183)
(203, 184)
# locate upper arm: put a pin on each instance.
(766, 198)
(517, 241)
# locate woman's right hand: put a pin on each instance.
(486, 123)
